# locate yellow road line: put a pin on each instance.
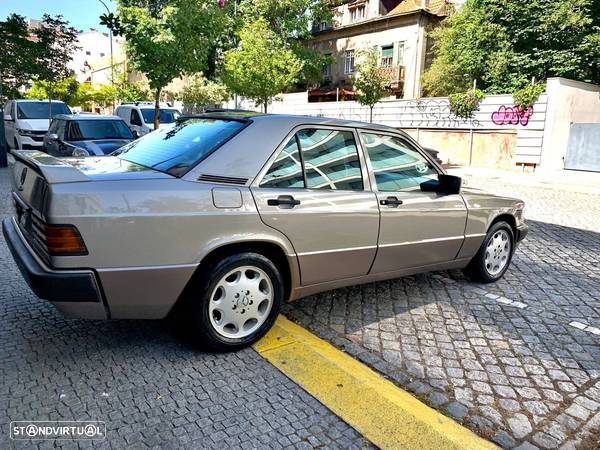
(386, 415)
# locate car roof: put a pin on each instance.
(85, 117)
(36, 100)
(287, 119)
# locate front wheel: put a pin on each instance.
(237, 302)
(494, 256)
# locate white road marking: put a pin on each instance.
(584, 327)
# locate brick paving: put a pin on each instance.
(150, 388)
(502, 358)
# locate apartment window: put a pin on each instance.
(327, 68)
(101, 55)
(322, 26)
(349, 62)
(88, 53)
(401, 46)
(387, 56)
(357, 13)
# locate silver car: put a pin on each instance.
(220, 218)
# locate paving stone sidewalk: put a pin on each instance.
(151, 389)
(517, 361)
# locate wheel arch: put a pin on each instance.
(505, 217)
(272, 250)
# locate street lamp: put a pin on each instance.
(110, 37)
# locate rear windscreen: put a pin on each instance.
(177, 148)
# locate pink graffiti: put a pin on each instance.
(512, 115)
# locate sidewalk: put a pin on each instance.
(562, 180)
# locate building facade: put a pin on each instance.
(398, 29)
(91, 62)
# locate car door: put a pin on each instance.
(9, 125)
(135, 123)
(316, 191)
(417, 228)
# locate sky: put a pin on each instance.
(82, 14)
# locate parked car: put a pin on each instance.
(139, 116)
(86, 135)
(220, 218)
(26, 121)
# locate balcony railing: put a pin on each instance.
(395, 74)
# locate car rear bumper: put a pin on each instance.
(75, 292)
(522, 232)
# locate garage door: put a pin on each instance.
(583, 152)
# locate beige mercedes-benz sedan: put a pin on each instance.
(221, 217)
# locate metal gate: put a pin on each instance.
(583, 151)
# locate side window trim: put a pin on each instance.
(365, 176)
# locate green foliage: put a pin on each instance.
(291, 20)
(202, 93)
(42, 53)
(262, 65)
(371, 83)
(503, 44)
(526, 97)
(464, 105)
(66, 90)
(167, 39)
(127, 91)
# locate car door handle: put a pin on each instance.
(283, 200)
(392, 202)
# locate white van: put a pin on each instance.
(139, 116)
(27, 121)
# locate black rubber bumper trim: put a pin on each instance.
(522, 232)
(52, 285)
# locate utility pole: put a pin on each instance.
(112, 66)
(235, 96)
(3, 149)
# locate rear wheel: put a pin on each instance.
(494, 256)
(236, 303)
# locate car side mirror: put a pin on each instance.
(136, 134)
(445, 184)
(53, 137)
(8, 118)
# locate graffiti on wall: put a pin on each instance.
(434, 113)
(512, 115)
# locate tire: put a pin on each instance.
(494, 256)
(229, 308)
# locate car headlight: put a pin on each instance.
(28, 133)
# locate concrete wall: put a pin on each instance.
(569, 102)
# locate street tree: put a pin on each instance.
(56, 41)
(371, 83)
(66, 90)
(17, 58)
(291, 20)
(503, 45)
(166, 39)
(202, 93)
(262, 65)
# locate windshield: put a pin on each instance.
(80, 130)
(177, 148)
(166, 115)
(40, 110)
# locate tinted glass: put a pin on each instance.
(40, 110)
(98, 129)
(396, 165)
(166, 115)
(179, 147)
(330, 159)
(286, 171)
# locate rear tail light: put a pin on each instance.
(64, 240)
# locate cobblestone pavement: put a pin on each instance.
(517, 361)
(149, 387)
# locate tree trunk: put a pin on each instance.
(49, 101)
(157, 109)
(371, 114)
(266, 104)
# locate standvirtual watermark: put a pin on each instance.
(57, 430)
